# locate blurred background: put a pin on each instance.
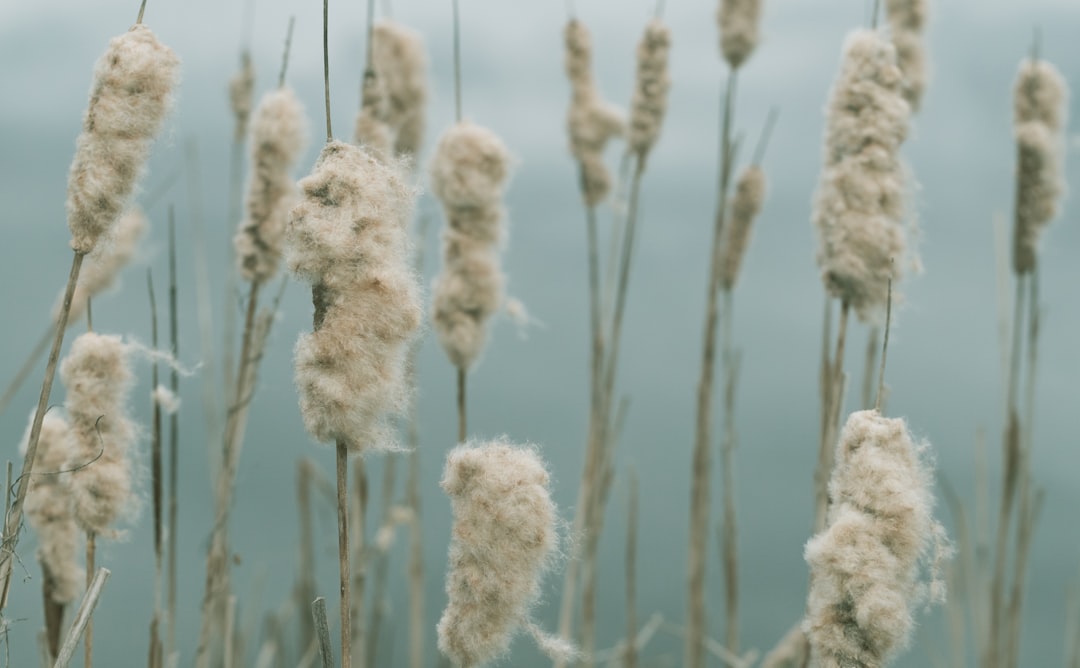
(944, 370)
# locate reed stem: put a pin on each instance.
(174, 435)
(156, 481)
(630, 657)
(13, 519)
(343, 551)
(326, 650)
(82, 618)
(88, 640)
(27, 366)
(461, 383)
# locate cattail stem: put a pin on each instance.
(174, 435)
(699, 494)
(766, 135)
(1010, 473)
(379, 602)
(142, 10)
(729, 530)
(416, 562)
(884, 352)
(872, 346)
(88, 640)
(13, 519)
(833, 392)
(229, 652)
(156, 481)
(326, 66)
(285, 56)
(461, 383)
(457, 62)
(305, 586)
(326, 650)
(82, 618)
(343, 551)
(26, 368)
(630, 657)
(359, 548)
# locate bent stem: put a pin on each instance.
(13, 520)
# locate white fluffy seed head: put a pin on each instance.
(49, 509)
(399, 58)
(1040, 94)
(1038, 191)
(739, 21)
(278, 136)
(859, 208)
(502, 541)
(907, 22)
(348, 237)
(98, 381)
(242, 95)
(468, 174)
(745, 207)
(591, 122)
(470, 167)
(102, 266)
(649, 104)
(866, 566)
(372, 130)
(130, 96)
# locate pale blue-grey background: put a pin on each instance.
(944, 364)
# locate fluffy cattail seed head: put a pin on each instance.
(98, 382)
(739, 21)
(745, 207)
(242, 95)
(131, 94)
(278, 136)
(468, 174)
(49, 509)
(865, 567)
(1040, 94)
(102, 266)
(591, 122)
(859, 208)
(348, 238)
(502, 541)
(399, 59)
(1038, 190)
(907, 22)
(372, 130)
(651, 86)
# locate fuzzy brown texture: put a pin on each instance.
(649, 104)
(907, 22)
(49, 510)
(591, 122)
(866, 566)
(278, 137)
(739, 21)
(745, 207)
(468, 175)
(1038, 191)
(98, 383)
(242, 95)
(859, 210)
(1040, 94)
(348, 238)
(130, 97)
(401, 63)
(372, 129)
(101, 267)
(502, 541)
(1040, 101)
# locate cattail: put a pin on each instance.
(98, 381)
(278, 136)
(468, 174)
(502, 541)
(372, 129)
(865, 566)
(739, 20)
(591, 122)
(1039, 107)
(859, 208)
(649, 103)
(103, 265)
(749, 196)
(242, 94)
(131, 94)
(348, 238)
(49, 510)
(907, 23)
(401, 64)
